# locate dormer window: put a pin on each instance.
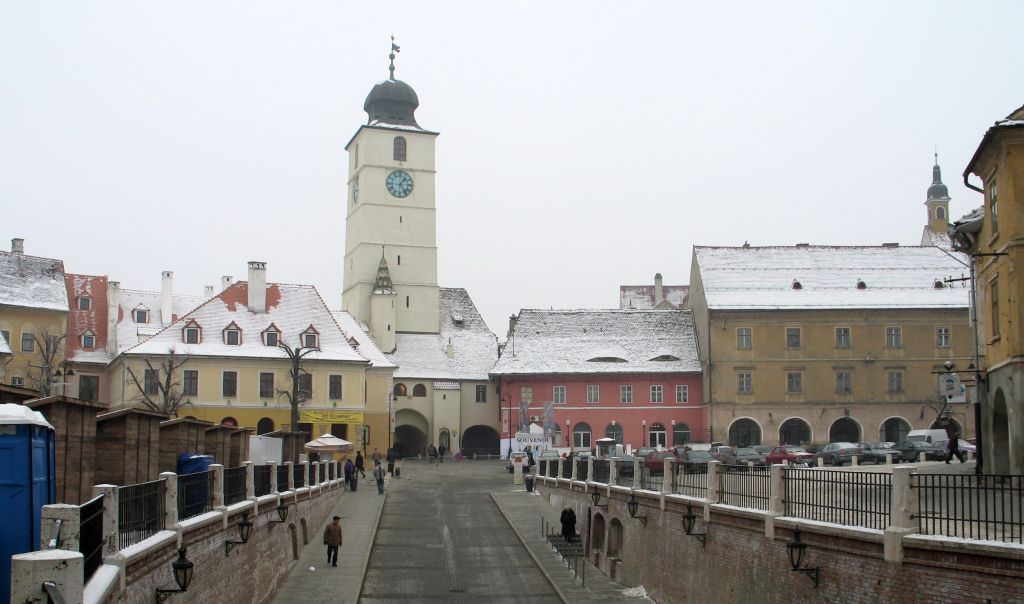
(310, 337)
(939, 284)
(140, 315)
(84, 303)
(233, 335)
(88, 340)
(191, 333)
(861, 284)
(271, 336)
(399, 150)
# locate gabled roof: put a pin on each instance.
(474, 347)
(130, 333)
(600, 341)
(893, 277)
(357, 332)
(32, 282)
(292, 308)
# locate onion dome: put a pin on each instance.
(937, 191)
(392, 101)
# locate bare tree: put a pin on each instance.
(49, 347)
(161, 392)
(297, 395)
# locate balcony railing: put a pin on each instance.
(971, 506)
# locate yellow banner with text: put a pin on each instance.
(331, 416)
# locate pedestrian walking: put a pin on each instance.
(432, 453)
(359, 464)
(378, 473)
(391, 460)
(332, 539)
(954, 448)
(350, 475)
(568, 524)
(375, 457)
(440, 452)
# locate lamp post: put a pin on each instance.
(796, 549)
(182, 568)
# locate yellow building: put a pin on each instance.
(994, 235)
(33, 319)
(815, 344)
(229, 367)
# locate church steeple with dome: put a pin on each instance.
(937, 205)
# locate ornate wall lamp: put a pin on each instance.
(182, 568)
(633, 506)
(796, 549)
(282, 514)
(689, 518)
(244, 530)
(596, 497)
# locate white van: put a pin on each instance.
(934, 436)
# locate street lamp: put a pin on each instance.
(633, 506)
(796, 549)
(244, 530)
(182, 568)
(596, 497)
(689, 518)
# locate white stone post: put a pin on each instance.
(613, 471)
(250, 480)
(921, 457)
(777, 501)
(668, 473)
(291, 475)
(170, 480)
(888, 459)
(29, 571)
(69, 517)
(218, 485)
(590, 469)
(714, 481)
(111, 506)
(855, 461)
(903, 513)
(636, 472)
(273, 477)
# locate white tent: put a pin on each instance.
(329, 443)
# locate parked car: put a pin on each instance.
(837, 454)
(910, 450)
(763, 451)
(549, 455)
(655, 461)
(745, 455)
(790, 454)
(695, 462)
(643, 451)
(876, 452)
(724, 454)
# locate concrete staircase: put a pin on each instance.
(567, 551)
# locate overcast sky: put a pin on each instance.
(583, 145)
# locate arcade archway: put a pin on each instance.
(480, 440)
(410, 433)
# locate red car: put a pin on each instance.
(789, 454)
(655, 461)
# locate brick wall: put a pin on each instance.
(74, 425)
(127, 446)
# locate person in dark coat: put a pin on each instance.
(954, 448)
(568, 524)
(359, 464)
(350, 475)
(392, 455)
(332, 539)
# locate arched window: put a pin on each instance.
(614, 431)
(597, 533)
(940, 213)
(229, 421)
(794, 431)
(399, 389)
(264, 426)
(614, 538)
(680, 434)
(844, 430)
(894, 430)
(744, 432)
(581, 436)
(656, 436)
(399, 148)
(419, 390)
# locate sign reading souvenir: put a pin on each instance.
(330, 416)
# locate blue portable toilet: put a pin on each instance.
(26, 484)
(196, 496)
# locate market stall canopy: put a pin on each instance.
(330, 444)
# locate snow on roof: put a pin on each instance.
(11, 413)
(893, 277)
(290, 308)
(355, 329)
(936, 239)
(474, 346)
(600, 341)
(32, 282)
(130, 333)
(641, 297)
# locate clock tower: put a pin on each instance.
(391, 217)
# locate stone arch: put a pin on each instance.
(229, 421)
(795, 431)
(844, 429)
(597, 533)
(1000, 435)
(480, 440)
(744, 432)
(893, 429)
(680, 434)
(411, 430)
(615, 538)
(264, 426)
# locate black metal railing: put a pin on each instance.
(234, 485)
(691, 480)
(282, 478)
(90, 539)
(624, 472)
(300, 477)
(651, 480)
(140, 512)
(261, 480)
(195, 494)
(850, 498)
(331, 471)
(971, 506)
(746, 486)
(542, 467)
(311, 474)
(602, 470)
(567, 465)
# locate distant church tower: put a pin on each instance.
(390, 272)
(937, 204)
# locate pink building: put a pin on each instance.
(633, 375)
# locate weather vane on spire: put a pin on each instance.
(394, 48)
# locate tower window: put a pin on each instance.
(399, 148)
(940, 214)
(399, 260)
(407, 301)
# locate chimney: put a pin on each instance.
(257, 286)
(207, 292)
(17, 245)
(113, 312)
(657, 289)
(166, 297)
(450, 350)
(226, 281)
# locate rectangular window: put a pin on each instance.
(266, 385)
(625, 393)
(88, 341)
(526, 394)
(309, 340)
(481, 393)
(581, 440)
(682, 393)
(334, 387)
(558, 395)
(744, 382)
(792, 337)
(893, 337)
(150, 382)
(84, 303)
(744, 338)
(16, 380)
(191, 335)
(844, 382)
(229, 387)
(993, 289)
(657, 393)
(140, 316)
(794, 382)
(232, 337)
(993, 205)
(593, 393)
(190, 383)
(271, 338)
(306, 385)
(89, 387)
(28, 342)
(895, 381)
(842, 337)
(942, 337)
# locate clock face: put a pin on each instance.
(399, 183)
(355, 191)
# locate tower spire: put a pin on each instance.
(391, 68)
